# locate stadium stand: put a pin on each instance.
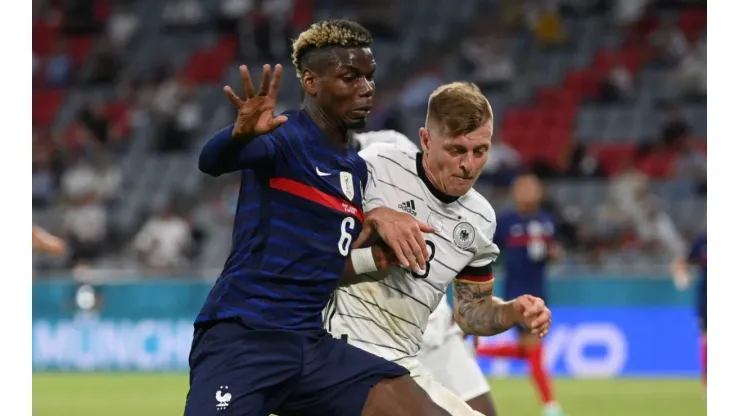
(609, 110)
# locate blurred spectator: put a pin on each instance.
(617, 85)
(92, 118)
(675, 129)
(167, 97)
(503, 163)
(109, 179)
(59, 66)
(43, 183)
(627, 12)
(636, 206)
(415, 94)
(181, 114)
(544, 21)
(492, 66)
(122, 25)
(670, 42)
(230, 12)
(79, 179)
(106, 62)
(189, 113)
(257, 28)
(690, 78)
(580, 164)
(85, 229)
(378, 18)
(79, 17)
(182, 14)
(691, 165)
(163, 242)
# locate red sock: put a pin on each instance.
(704, 360)
(502, 350)
(539, 375)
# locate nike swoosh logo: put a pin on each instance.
(320, 173)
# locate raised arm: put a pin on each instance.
(477, 312)
(43, 241)
(246, 143)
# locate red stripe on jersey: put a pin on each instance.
(475, 279)
(312, 194)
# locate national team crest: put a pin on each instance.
(463, 235)
(348, 186)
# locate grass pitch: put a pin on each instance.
(164, 395)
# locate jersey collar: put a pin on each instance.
(447, 199)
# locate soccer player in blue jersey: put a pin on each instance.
(696, 256)
(526, 238)
(259, 345)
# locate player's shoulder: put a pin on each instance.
(392, 137)
(388, 153)
(483, 215)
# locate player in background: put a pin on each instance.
(259, 345)
(443, 350)
(44, 241)
(526, 236)
(386, 310)
(696, 256)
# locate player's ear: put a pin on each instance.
(309, 82)
(424, 138)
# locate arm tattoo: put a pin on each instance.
(477, 312)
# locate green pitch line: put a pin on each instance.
(164, 394)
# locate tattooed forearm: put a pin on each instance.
(477, 312)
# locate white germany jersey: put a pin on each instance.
(386, 313)
(385, 136)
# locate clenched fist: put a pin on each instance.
(533, 314)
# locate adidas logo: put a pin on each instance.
(408, 206)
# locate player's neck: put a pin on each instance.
(431, 181)
(336, 133)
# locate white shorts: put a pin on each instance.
(444, 397)
(454, 365)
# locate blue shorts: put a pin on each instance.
(235, 370)
(701, 304)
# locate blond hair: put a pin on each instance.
(327, 33)
(458, 108)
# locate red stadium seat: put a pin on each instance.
(43, 36)
(658, 166)
(119, 116)
(614, 156)
(45, 105)
(79, 49)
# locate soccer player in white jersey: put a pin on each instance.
(443, 351)
(384, 309)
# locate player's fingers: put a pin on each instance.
(235, 100)
(426, 228)
(423, 245)
(246, 81)
(415, 254)
(363, 237)
(275, 84)
(277, 121)
(400, 255)
(265, 83)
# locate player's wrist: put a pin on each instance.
(363, 260)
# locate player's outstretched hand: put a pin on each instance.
(256, 113)
(534, 314)
(402, 232)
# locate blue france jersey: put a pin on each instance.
(698, 254)
(298, 213)
(524, 242)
